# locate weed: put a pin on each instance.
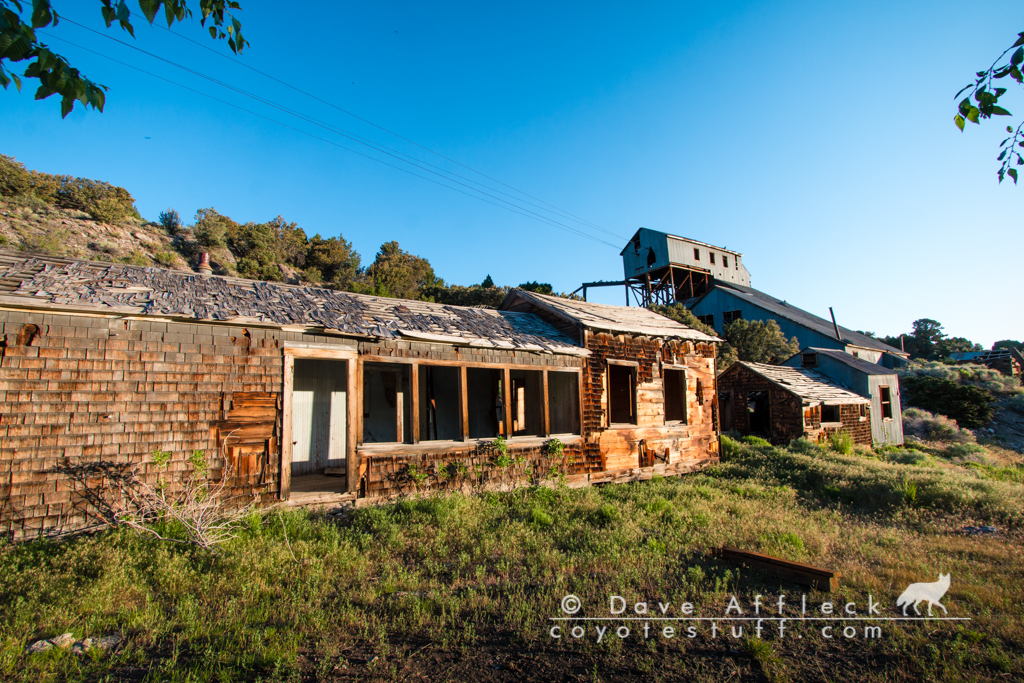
(841, 442)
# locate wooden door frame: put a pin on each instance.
(291, 353)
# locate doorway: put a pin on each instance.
(759, 415)
(319, 425)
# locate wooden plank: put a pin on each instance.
(341, 353)
(506, 391)
(285, 470)
(355, 422)
(415, 388)
(370, 358)
(547, 407)
(797, 572)
(464, 400)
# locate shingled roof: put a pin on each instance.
(787, 311)
(867, 367)
(602, 317)
(812, 387)
(66, 284)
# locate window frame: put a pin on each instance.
(634, 368)
(885, 399)
(838, 415)
(418, 446)
(681, 369)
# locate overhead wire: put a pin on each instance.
(542, 219)
(382, 128)
(329, 127)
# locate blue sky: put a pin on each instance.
(815, 138)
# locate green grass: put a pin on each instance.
(450, 587)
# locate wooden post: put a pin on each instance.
(672, 281)
(547, 407)
(464, 400)
(285, 474)
(414, 384)
(506, 391)
(354, 410)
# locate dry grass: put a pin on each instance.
(462, 587)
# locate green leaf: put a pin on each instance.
(1009, 129)
(972, 115)
(1003, 154)
(959, 121)
(999, 111)
(1013, 174)
(965, 106)
(1017, 57)
(213, 32)
(41, 14)
(66, 105)
(1020, 41)
(149, 9)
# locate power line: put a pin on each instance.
(389, 132)
(542, 219)
(326, 126)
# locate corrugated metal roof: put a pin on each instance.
(799, 316)
(603, 317)
(865, 366)
(105, 287)
(813, 387)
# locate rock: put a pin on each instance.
(81, 646)
(107, 642)
(38, 646)
(63, 641)
(289, 274)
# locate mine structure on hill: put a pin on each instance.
(663, 269)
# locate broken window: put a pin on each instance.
(564, 402)
(711, 257)
(810, 360)
(886, 398)
(675, 395)
(725, 261)
(728, 317)
(486, 403)
(696, 254)
(863, 410)
(527, 402)
(387, 403)
(440, 403)
(622, 394)
(708, 319)
(830, 414)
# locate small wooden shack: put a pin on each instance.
(315, 396)
(782, 403)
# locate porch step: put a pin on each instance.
(320, 499)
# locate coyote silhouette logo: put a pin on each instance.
(931, 593)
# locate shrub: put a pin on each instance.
(170, 220)
(967, 452)
(755, 441)
(968, 405)
(211, 228)
(1016, 402)
(541, 518)
(165, 258)
(805, 446)
(910, 456)
(924, 425)
(52, 242)
(15, 179)
(841, 442)
(607, 513)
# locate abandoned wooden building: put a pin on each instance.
(870, 380)
(310, 395)
(781, 403)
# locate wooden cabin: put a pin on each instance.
(314, 396)
(781, 403)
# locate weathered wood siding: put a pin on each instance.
(102, 393)
(619, 448)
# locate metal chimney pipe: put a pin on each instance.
(204, 264)
(838, 336)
